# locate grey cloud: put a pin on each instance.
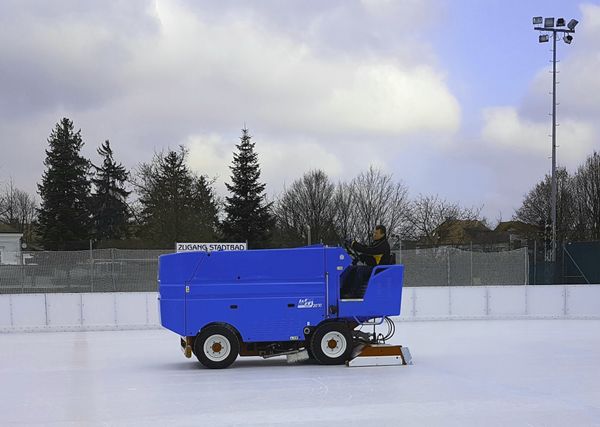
(339, 27)
(66, 54)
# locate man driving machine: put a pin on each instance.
(378, 253)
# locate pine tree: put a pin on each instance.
(248, 216)
(176, 204)
(64, 214)
(109, 202)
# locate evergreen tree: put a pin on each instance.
(109, 202)
(176, 204)
(248, 216)
(64, 214)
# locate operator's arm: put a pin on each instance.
(376, 249)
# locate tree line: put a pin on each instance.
(163, 201)
(577, 202)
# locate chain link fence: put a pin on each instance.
(118, 270)
(98, 270)
(448, 266)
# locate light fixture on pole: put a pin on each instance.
(572, 24)
(549, 27)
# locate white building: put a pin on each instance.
(10, 245)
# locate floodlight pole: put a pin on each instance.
(554, 184)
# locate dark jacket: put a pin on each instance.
(378, 253)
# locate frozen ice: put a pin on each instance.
(466, 373)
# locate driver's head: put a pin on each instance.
(379, 232)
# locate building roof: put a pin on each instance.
(460, 231)
(517, 227)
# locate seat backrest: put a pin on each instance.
(392, 258)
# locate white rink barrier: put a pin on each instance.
(139, 310)
(501, 302)
(78, 312)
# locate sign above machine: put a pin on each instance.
(210, 247)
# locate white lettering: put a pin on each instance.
(210, 247)
(308, 303)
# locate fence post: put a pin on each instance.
(22, 273)
(471, 263)
(526, 264)
(112, 269)
(448, 262)
(535, 262)
(400, 251)
(91, 267)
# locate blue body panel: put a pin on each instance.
(268, 295)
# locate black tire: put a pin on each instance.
(222, 352)
(336, 339)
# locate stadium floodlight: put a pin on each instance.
(543, 38)
(572, 23)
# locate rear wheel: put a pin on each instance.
(216, 346)
(331, 343)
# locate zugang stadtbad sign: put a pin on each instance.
(210, 247)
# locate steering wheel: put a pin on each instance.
(353, 254)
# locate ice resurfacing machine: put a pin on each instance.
(277, 302)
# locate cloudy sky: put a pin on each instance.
(452, 97)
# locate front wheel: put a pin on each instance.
(216, 347)
(331, 343)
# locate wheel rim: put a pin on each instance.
(333, 344)
(217, 347)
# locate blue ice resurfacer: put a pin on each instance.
(273, 302)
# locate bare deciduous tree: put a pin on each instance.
(374, 198)
(309, 202)
(586, 192)
(18, 209)
(428, 212)
(345, 213)
(348, 210)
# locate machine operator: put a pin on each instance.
(378, 253)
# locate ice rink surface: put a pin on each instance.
(466, 373)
